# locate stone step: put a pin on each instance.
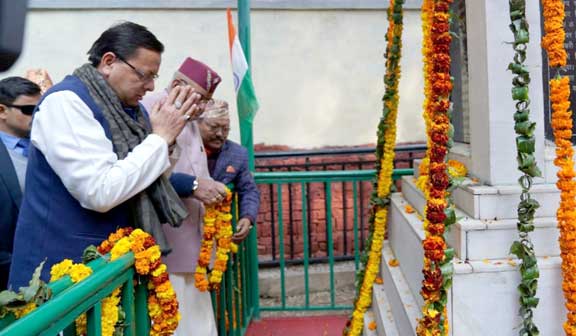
(403, 305)
(477, 239)
(500, 202)
(483, 299)
(370, 317)
(382, 312)
(404, 234)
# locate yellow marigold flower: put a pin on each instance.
(60, 269)
(393, 262)
(139, 233)
(81, 322)
(120, 248)
(431, 312)
(25, 310)
(79, 272)
(166, 294)
(159, 270)
(154, 310)
(456, 169)
(372, 325)
(155, 253)
(422, 182)
(110, 313)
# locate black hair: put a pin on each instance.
(123, 39)
(13, 87)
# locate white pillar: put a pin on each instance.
(492, 136)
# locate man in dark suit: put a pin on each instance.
(228, 163)
(18, 98)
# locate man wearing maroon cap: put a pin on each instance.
(192, 181)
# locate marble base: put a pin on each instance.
(483, 299)
(477, 239)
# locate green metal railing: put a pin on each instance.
(69, 301)
(235, 305)
(237, 302)
(328, 178)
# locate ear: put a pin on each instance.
(107, 63)
(3, 112)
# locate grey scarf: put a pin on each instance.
(158, 203)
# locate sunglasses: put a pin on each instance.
(25, 109)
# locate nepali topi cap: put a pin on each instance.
(201, 77)
(216, 109)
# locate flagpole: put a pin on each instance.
(246, 134)
(247, 140)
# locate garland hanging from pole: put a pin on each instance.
(438, 268)
(380, 198)
(553, 43)
(525, 146)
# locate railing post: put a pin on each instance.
(128, 304)
(252, 249)
(142, 319)
(94, 320)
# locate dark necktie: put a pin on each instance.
(24, 143)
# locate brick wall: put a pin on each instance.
(342, 206)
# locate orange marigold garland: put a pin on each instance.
(384, 166)
(162, 301)
(437, 258)
(566, 215)
(217, 227)
(553, 43)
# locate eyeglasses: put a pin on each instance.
(25, 109)
(143, 77)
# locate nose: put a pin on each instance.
(149, 85)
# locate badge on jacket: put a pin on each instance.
(230, 169)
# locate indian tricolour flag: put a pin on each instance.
(246, 99)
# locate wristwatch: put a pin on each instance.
(194, 185)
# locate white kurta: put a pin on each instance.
(76, 147)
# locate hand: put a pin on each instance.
(169, 115)
(192, 107)
(209, 191)
(242, 230)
